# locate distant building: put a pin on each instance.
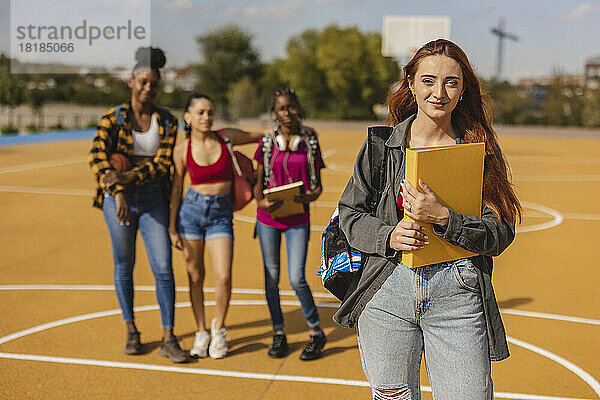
(592, 73)
(182, 79)
(573, 85)
(573, 80)
(173, 78)
(121, 73)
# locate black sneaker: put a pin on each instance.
(314, 347)
(279, 348)
(172, 350)
(133, 345)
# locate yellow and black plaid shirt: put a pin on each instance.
(111, 138)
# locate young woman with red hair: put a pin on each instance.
(446, 311)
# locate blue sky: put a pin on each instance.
(554, 35)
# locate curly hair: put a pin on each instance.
(150, 57)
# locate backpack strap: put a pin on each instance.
(227, 140)
(266, 143)
(312, 144)
(164, 116)
(119, 117)
(378, 156)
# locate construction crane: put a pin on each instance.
(502, 34)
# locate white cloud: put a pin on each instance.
(283, 10)
(329, 1)
(581, 11)
(232, 11)
(178, 5)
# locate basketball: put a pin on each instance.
(120, 162)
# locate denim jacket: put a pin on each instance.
(486, 236)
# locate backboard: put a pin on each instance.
(403, 35)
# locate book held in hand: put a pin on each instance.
(455, 174)
(286, 194)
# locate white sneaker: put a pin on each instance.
(218, 344)
(200, 346)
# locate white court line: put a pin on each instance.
(587, 378)
(240, 374)
(558, 178)
(338, 168)
(43, 164)
(585, 217)
(252, 220)
(557, 218)
(557, 317)
(107, 313)
(46, 190)
(554, 159)
(328, 153)
(572, 367)
(147, 288)
(185, 289)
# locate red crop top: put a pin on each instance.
(220, 171)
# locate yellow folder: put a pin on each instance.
(455, 174)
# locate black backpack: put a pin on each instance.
(341, 265)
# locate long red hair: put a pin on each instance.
(472, 117)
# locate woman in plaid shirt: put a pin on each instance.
(136, 198)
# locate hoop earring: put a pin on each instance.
(460, 98)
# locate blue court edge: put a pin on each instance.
(42, 137)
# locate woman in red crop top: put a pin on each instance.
(204, 217)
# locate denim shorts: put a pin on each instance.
(205, 216)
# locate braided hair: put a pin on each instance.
(292, 95)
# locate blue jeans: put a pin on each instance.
(436, 310)
(296, 240)
(149, 214)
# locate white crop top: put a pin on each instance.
(146, 143)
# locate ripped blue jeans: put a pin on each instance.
(437, 311)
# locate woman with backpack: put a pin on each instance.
(203, 218)
(290, 153)
(136, 198)
(446, 311)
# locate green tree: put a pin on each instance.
(591, 110)
(301, 70)
(36, 99)
(563, 103)
(228, 55)
(271, 80)
(12, 89)
(513, 104)
(339, 73)
(243, 99)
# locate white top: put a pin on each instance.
(146, 143)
